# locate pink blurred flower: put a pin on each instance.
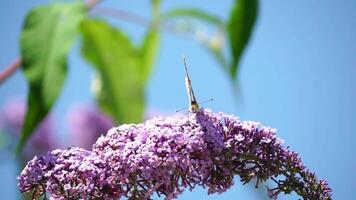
(86, 124)
(11, 121)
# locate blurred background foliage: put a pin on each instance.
(123, 63)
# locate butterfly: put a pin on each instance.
(193, 104)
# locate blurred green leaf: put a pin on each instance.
(206, 17)
(149, 52)
(116, 59)
(47, 35)
(196, 14)
(3, 139)
(155, 5)
(149, 47)
(219, 57)
(239, 28)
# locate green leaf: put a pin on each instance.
(239, 29)
(155, 5)
(219, 57)
(206, 17)
(115, 58)
(3, 139)
(149, 47)
(47, 35)
(196, 14)
(149, 51)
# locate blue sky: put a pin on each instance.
(297, 75)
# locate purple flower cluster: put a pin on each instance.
(166, 156)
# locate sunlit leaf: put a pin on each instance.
(194, 13)
(149, 52)
(47, 36)
(239, 28)
(149, 48)
(115, 58)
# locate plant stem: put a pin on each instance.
(140, 20)
(10, 69)
(91, 3)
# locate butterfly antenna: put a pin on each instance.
(180, 110)
(206, 101)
